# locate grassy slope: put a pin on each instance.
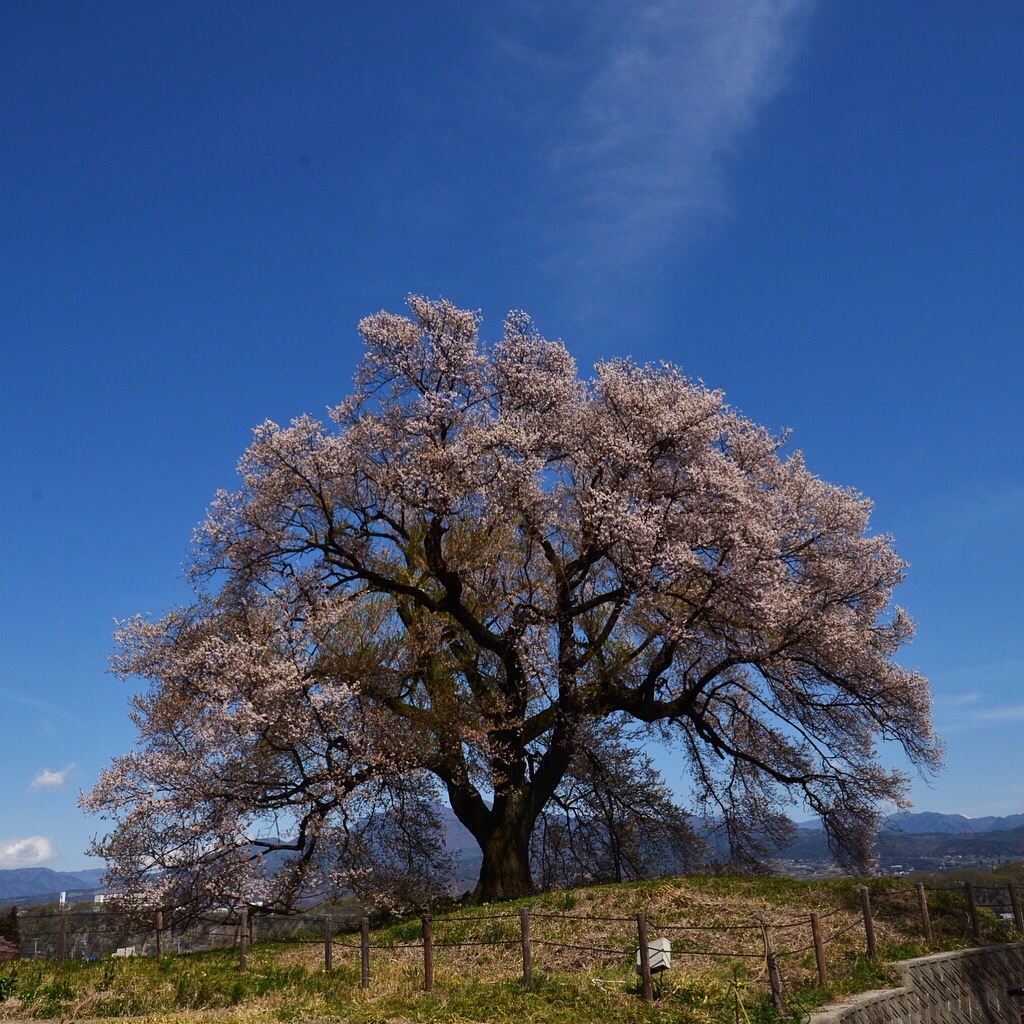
(584, 943)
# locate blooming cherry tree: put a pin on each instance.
(480, 560)
(256, 778)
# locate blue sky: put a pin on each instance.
(813, 206)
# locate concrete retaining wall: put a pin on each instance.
(947, 988)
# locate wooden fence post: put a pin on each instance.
(1018, 917)
(972, 909)
(869, 924)
(645, 957)
(243, 941)
(773, 969)
(428, 954)
(364, 952)
(524, 931)
(819, 950)
(328, 943)
(922, 903)
(62, 936)
(159, 934)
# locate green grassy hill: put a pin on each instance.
(583, 945)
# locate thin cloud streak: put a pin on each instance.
(956, 702)
(680, 83)
(51, 710)
(994, 685)
(968, 716)
(993, 671)
(1014, 713)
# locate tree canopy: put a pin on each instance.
(481, 569)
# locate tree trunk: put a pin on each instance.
(503, 832)
(505, 871)
(503, 828)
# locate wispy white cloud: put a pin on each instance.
(47, 708)
(1007, 713)
(976, 695)
(672, 88)
(45, 779)
(959, 711)
(25, 853)
(958, 700)
(989, 670)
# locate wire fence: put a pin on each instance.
(518, 941)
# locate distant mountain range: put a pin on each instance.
(904, 837)
(924, 841)
(20, 883)
(931, 823)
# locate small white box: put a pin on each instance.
(659, 954)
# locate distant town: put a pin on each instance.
(917, 842)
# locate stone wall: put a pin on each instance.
(947, 988)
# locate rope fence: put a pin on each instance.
(532, 932)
